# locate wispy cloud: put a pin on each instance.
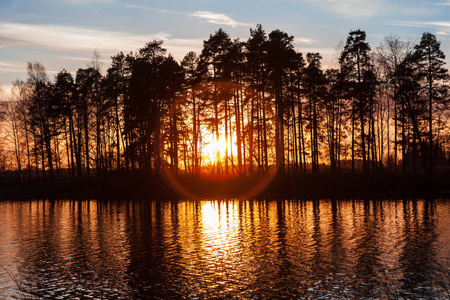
(437, 23)
(9, 71)
(352, 8)
(209, 17)
(441, 27)
(180, 47)
(327, 53)
(74, 39)
(443, 3)
(149, 8)
(302, 40)
(89, 1)
(11, 67)
(220, 19)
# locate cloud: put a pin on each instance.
(436, 23)
(220, 19)
(140, 7)
(80, 40)
(180, 47)
(89, 1)
(11, 67)
(301, 40)
(443, 3)
(210, 17)
(441, 27)
(8, 72)
(352, 8)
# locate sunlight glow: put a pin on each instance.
(213, 149)
(217, 145)
(220, 227)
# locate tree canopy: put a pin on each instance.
(238, 107)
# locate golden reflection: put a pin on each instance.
(213, 247)
(220, 227)
(66, 232)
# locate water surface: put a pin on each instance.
(225, 249)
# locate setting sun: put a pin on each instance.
(214, 150)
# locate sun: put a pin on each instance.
(214, 150)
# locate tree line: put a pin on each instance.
(379, 110)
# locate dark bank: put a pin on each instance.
(259, 186)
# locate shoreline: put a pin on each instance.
(281, 186)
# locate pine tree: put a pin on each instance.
(355, 61)
(433, 79)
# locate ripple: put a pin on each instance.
(323, 249)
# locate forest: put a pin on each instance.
(236, 109)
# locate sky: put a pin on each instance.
(63, 34)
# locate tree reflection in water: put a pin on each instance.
(233, 248)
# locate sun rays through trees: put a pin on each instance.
(236, 108)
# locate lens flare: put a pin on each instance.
(218, 156)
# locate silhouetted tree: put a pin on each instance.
(214, 60)
(192, 79)
(314, 86)
(390, 55)
(256, 73)
(40, 110)
(65, 93)
(355, 65)
(280, 53)
(433, 79)
(117, 82)
(88, 82)
(271, 105)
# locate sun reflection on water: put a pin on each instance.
(227, 249)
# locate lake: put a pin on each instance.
(241, 249)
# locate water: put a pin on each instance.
(225, 249)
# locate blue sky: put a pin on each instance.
(64, 33)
